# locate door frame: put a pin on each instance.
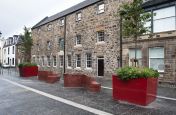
(98, 58)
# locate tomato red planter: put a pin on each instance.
(28, 71)
(80, 80)
(140, 91)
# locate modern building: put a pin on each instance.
(9, 51)
(91, 33)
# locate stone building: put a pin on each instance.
(91, 33)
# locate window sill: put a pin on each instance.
(88, 69)
(78, 68)
(78, 46)
(100, 43)
(69, 67)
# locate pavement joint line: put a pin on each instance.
(68, 102)
(160, 97)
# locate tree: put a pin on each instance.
(26, 44)
(133, 20)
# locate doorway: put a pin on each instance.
(100, 66)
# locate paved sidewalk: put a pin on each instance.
(101, 101)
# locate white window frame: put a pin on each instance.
(78, 56)
(49, 61)
(78, 16)
(134, 56)
(78, 37)
(61, 58)
(156, 58)
(49, 27)
(48, 45)
(69, 62)
(43, 60)
(100, 37)
(62, 22)
(101, 8)
(90, 60)
(54, 61)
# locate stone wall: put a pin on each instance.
(168, 43)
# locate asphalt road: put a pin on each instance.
(19, 101)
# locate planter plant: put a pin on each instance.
(28, 69)
(135, 85)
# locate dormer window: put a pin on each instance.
(101, 8)
(78, 16)
(62, 21)
(49, 27)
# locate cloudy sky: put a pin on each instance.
(15, 14)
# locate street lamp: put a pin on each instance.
(0, 33)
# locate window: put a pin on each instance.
(38, 60)
(132, 57)
(49, 27)
(43, 61)
(69, 61)
(13, 61)
(4, 51)
(38, 47)
(48, 45)
(61, 61)
(156, 58)
(8, 61)
(38, 31)
(78, 16)
(62, 21)
(61, 43)
(49, 61)
(13, 50)
(88, 60)
(54, 61)
(34, 59)
(8, 50)
(100, 36)
(164, 19)
(78, 39)
(101, 8)
(78, 60)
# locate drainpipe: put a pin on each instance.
(121, 40)
(64, 41)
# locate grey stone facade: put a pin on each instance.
(87, 28)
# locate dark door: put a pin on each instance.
(100, 67)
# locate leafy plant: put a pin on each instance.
(27, 64)
(26, 44)
(133, 20)
(127, 73)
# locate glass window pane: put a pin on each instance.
(132, 53)
(166, 24)
(156, 52)
(157, 64)
(165, 12)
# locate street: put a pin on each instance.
(26, 96)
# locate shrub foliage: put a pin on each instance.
(127, 73)
(27, 64)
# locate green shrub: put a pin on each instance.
(27, 64)
(127, 73)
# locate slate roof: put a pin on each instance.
(68, 11)
(151, 3)
(14, 43)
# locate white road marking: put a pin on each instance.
(68, 102)
(160, 97)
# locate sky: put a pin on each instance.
(15, 14)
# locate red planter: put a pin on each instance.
(42, 75)
(140, 91)
(80, 80)
(28, 71)
(52, 78)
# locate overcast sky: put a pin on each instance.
(15, 14)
